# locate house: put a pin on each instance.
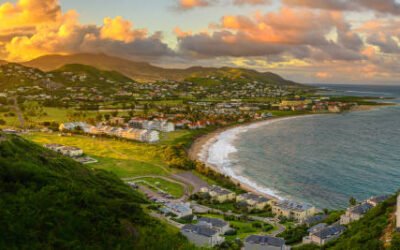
(202, 235)
(398, 214)
(355, 213)
(294, 210)
(54, 147)
(220, 225)
(117, 121)
(178, 209)
(71, 151)
(324, 235)
(219, 194)
(258, 242)
(75, 125)
(253, 201)
(376, 200)
(315, 219)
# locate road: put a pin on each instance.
(19, 112)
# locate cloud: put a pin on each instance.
(251, 2)
(288, 32)
(39, 27)
(381, 6)
(191, 4)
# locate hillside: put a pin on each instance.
(51, 202)
(141, 71)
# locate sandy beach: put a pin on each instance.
(200, 148)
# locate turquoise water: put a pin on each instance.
(325, 159)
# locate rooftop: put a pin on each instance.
(265, 240)
(328, 232)
(361, 208)
(199, 229)
(292, 205)
(214, 222)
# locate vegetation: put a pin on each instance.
(51, 202)
(366, 233)
(294, 234)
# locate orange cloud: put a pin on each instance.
(191, 4)
(120, 30)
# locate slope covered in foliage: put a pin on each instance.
(51, 202)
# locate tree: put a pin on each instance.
(352, 201)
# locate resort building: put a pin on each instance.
(74, 126)
(294, 210)
(398, 214)
(219, 194)
(253, 201)
(355, 213)
(178, 209)
(71, 151)
(161, 125)
(220, 225)
(258, 242)
(322, 234)
(315, 219)
(202, 235)
(65, 150)
(376, 200)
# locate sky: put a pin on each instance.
(310, 41)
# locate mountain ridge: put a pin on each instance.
(143, 71)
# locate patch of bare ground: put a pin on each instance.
(388, 232)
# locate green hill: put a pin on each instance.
(141, 71)
(51, 202)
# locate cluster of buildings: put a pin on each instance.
(142, 135)
(208, 232)
(72, 152)
(289, 209)
(315, 105)
(358, 211)
(162, 125)
(322, 233)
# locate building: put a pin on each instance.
(219, 194)
(71, 151)
(178, 209)
(294, 210)
(220, 225)
(398, 214)
(253, 201)
(202, 235)
(315, 219)
(258, 242)
(324, 234)
(376, 200)
(65, 150)
(117, 121)
(75, 125)
(355, 213)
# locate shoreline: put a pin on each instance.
(199, 151)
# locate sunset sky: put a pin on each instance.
(333, 41)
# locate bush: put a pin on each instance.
(294, 235)
(2, 122)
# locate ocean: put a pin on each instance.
(320, 159)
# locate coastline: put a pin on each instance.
(199, 151)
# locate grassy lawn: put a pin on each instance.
(172, 188)
(243, 228)
(125, 159)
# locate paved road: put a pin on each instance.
(19, 112)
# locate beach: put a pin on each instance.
(219, 142)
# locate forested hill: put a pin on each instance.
(51, 202)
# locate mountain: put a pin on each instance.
(48, 201)
(141, 71)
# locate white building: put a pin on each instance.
(323, 234)
(220, 225)
(398, 214)
(178, 209)
(201, 235)
(355, 213)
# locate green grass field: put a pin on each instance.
(172, 188)
(124, 158)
